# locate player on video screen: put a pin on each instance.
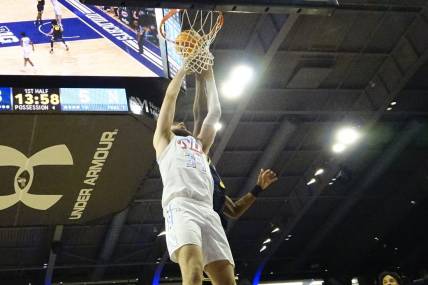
(27, 48)
(57, 10)
(56, 33)
(40, 8)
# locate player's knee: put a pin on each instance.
(194, 275)
(195, 278)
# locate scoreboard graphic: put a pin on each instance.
(63, 100)
(5, 99)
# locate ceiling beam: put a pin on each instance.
(53, 253)
(255, 46)
(109, 244)
(304, 53)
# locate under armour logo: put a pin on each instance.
(54, 155)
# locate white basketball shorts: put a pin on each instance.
(187, 222)
(26, 52)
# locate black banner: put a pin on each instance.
(62, 169)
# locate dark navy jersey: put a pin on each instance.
(219, 195)
(57, 31)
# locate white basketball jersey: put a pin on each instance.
(26, 43)
(185, 171)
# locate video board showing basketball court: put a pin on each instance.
(102, 41)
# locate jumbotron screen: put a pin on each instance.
(68, 38)
(56, 100)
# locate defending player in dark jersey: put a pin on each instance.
(223, 205)
(40, 8)
(56, 33)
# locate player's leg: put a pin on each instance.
(52, 43)
(221, 272)
(189, 258)
(218, 259)
(57, 10)
(39, 15)
(184, 240)
(66, 46)
(30, 62)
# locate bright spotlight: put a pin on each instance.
(347, 136)
(319, 172)
(135, 106)
(238, 80)
(275, 230)
(338, 148)
(263, 248)
(218, 126)
(231, 90)
(267, 241)
(312, 181)
(242, 74)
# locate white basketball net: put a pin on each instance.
(201, 28)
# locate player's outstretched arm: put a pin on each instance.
(235, 209)
(163, 133)
(208, 131)
(199, 105)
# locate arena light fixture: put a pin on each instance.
(393, 103)
(231, 90)
(239, 78)
(389, 109)
(275, 230)
(338, 148)
(162, 233)
(347, 135)
(312, 181)
(319, 172)
(267, 241)
(263, 248)
(135, 107)
(242, 74)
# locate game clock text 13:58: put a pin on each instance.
(36, 99)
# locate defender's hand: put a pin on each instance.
(266, 178)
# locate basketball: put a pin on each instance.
(187, 42)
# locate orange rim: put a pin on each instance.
(217, 26)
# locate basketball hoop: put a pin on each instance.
(198, 32)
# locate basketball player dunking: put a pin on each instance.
(56, 33)
(40, 9)
(27, 47)
(194, 234)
